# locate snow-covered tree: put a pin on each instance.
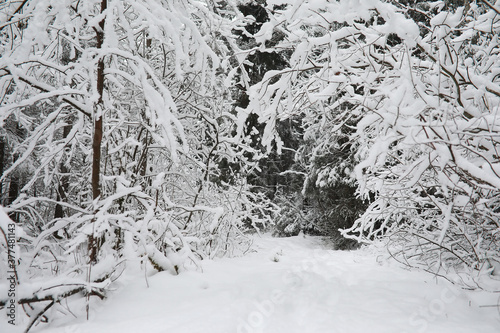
(418, 87)
(116, 118)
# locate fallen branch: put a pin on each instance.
(99, 292)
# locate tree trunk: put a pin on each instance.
(96, 144)
(97, 141)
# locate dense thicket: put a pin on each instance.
(291, 172)
(406, 94)
(152, 133)
(117, 117)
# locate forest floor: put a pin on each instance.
(290, 285)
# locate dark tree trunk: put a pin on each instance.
(97, 141)
(96, 144)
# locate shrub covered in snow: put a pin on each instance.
(421, 86)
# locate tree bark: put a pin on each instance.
(97, 140)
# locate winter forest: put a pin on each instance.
(147, 137)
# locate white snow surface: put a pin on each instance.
(289, 285)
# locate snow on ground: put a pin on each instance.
(291, 285)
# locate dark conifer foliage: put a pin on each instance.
(269, 178)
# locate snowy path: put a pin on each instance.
(307, 289)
